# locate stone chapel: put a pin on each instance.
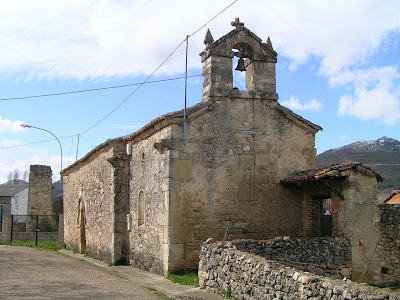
(154, 196)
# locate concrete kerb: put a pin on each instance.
(150, 280)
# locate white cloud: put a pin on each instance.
(294, 103)
(375, 97)
(364, 78)
(10, 126)
(372, 104)
(105, 38)
(22, 157)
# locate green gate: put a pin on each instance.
(35, 228)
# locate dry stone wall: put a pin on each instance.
(389, 242)
(322, 255)
(226, 270)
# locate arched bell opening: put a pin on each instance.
(242, 59)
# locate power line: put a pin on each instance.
(113, 87)
(185, 40)
(194, 45)
(158, 68)
(44, 141)
(213, 18)
(126, 99)
(79, 135)
(96, 89)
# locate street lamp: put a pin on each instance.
(30, 126)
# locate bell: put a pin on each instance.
(240, 66)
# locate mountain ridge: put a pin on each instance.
(382, 144)
(382, 155)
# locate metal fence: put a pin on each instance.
(4, 209)
(34, 228)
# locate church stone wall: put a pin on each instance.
(149, 182)
(227, 173)
(91, 186)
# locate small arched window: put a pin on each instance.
(141, 209)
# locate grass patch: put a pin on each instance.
(159, 294)
(47, 245)
(185, 277)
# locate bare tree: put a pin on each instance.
(25, 177)
(16, 175)
(10, 176)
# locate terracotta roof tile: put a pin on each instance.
(395, 194)
(332, 171)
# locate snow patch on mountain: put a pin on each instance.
(382, 144)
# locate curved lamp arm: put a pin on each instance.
(30, 126)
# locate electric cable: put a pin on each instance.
(44, 141)
(213, 18)
(96, 89)
(194, 45)
(130, 95)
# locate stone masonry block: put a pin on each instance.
(183, 169)
(175, 218)
(180, 234)
(262, 159)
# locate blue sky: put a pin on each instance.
(338, 66)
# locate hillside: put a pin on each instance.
(383, 155)
(57, 188)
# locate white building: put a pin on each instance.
(14, 199)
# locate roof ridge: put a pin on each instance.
(151, 124)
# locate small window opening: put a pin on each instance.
(142, 156)
(326, 216)
(384, 270)
(141, 209)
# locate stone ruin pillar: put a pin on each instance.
(40, 198)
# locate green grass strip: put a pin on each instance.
(184, 278)
(159, 294)
(47, 245)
